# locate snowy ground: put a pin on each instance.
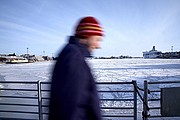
(104, 70)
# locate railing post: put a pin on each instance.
(39, 100)
(145, 105)
(135, 102)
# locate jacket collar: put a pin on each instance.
(83, 48)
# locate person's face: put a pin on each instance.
(93, 42)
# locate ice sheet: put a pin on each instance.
(103, 70)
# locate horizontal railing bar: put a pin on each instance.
(117, 116)
(104, 107)
(6, 118)
(155, 108)
(115, 91)
(18, 89)
(45, 97)
(18, 97)
(45, 105)
(45, 113)
(113, 83)
(45, 82)
(45, 90)
(154, 99)
(35, 82)
(18, 104)
(163, 82)
(103, 99)
(116, 99)
(153, 116)
(102, 115)
(19, 111)
(99, 82)
(117, 107)
(18, 82)
(50, 90)
(154, 91)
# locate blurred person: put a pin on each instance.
(73, 89)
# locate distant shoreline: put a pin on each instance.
(105, 58)
(24, 62)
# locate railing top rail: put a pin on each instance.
(10, 89)
(164, 82)
(44, 82)
(23, 82)
(113, 82)
(97, 82)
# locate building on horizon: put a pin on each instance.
(152, 54)
(24, 58)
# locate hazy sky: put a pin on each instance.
(131, 26)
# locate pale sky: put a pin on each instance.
(131, 26)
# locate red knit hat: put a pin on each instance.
(88, 26)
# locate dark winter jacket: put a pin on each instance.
(73, 90)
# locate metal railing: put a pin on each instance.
(22, 100)
(29, 100)
(120, 93)
(152, 98)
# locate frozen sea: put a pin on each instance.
(104, 70)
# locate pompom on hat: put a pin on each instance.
(88, 26)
